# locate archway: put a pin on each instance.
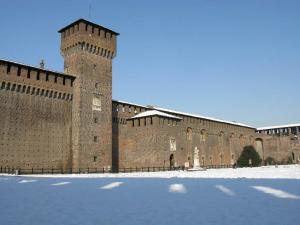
(259, 147)
(293, 156)
(172, 160)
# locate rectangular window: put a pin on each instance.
(95, 159)
(95, 119)
(95, 138)
(8, 69)
(19, 71)
(96, 103)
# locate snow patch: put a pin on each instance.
(112, 185)
(177, 188)
(264, 172)
(26, 181)
(275, 192)
(60, 183)
(225, 190)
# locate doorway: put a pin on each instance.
(172, 160)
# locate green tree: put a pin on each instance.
(249, 154)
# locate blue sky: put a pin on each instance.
(234, 60)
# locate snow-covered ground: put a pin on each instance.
(151, 199)
(265, 172)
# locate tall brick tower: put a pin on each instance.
(88, 50)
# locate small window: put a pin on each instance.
(95, 138)
(95, 119)
(8, 69)
(96, 103)
(19, 71)
(28, 73)
(38, 75)
(95, 158)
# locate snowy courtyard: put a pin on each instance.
(154, 198)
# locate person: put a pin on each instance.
(250, 162)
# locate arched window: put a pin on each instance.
(203, 135)
(189, 134)
(221, 138)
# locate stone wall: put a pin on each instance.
(281, 147)
(142, 143)
(35, 121)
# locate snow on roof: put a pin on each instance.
(129, 103)
(155, 113)
(280, 126)
(186, 114)
(202, 117)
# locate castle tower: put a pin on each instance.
(88, 50)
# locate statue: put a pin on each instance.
(196, 158)
(196, 165)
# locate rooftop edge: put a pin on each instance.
(89, 23)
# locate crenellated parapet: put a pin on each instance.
(36, 81)
(87, 37)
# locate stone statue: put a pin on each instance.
(196, 165)
(196, 158)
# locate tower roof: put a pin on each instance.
(89, 23)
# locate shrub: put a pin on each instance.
(290, 160)
(270, 161)
(248, 153)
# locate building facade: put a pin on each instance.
(68, 120)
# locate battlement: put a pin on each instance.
(85, 36)
(33, 76)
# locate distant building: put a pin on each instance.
(289, 129)
(68, 121)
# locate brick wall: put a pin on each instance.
(35, 122)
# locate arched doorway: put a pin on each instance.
(293, 157)
(259, 147)
(172, 160)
